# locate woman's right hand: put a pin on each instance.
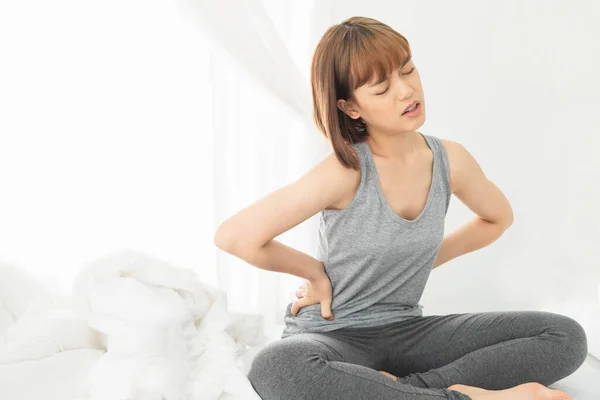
(314, 291)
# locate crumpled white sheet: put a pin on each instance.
(36, 323)
(17, 290)
(161, 332)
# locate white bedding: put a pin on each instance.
(139, 328)
(136, 327)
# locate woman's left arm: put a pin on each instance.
(480, 195)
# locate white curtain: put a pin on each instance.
(99, 136)
(264, 136)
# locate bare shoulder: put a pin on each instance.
(335, 180)
(346, 183)
(461, 163)
(326, 185)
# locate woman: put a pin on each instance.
(357, 330)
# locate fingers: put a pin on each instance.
(326, 309)
(297, 305)
(303, 302)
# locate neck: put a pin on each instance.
(400, 146)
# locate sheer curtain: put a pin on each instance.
(263, 134)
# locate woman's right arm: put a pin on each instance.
(250, 233)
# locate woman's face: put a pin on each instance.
(382, 104)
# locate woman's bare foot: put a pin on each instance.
(468, 390)
(525, 391)
(389, 375)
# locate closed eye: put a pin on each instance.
(409, 72)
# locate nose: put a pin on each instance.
(403, 90)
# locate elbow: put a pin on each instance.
(503, 222)
(508, 221)
(225, 239)
(231, 240)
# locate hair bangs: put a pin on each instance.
(375, 55)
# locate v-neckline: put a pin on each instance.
(380, 191)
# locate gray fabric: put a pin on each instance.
(378, 263)
(492, 350)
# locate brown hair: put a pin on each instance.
(350, 54)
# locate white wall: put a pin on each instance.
(104, 135)
(516, 82)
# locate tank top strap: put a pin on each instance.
(365, 188)
(368, 176)
(359, 148)
(364, 193)
(439, 151)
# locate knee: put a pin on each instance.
(264, 367)
(574, 339)
(281, 366)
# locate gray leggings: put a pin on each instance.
(490, 350)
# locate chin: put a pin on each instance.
(416, 123)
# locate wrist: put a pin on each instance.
(317, 272)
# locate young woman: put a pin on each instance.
(383, 194)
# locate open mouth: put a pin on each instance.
(413, 109)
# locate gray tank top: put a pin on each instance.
(378, 262)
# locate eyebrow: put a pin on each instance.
(381, 80)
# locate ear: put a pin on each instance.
(348, 107)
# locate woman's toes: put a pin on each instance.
(557, 394)
(389, 375)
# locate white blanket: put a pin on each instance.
(156, 332)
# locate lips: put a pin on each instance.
(409, 106)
